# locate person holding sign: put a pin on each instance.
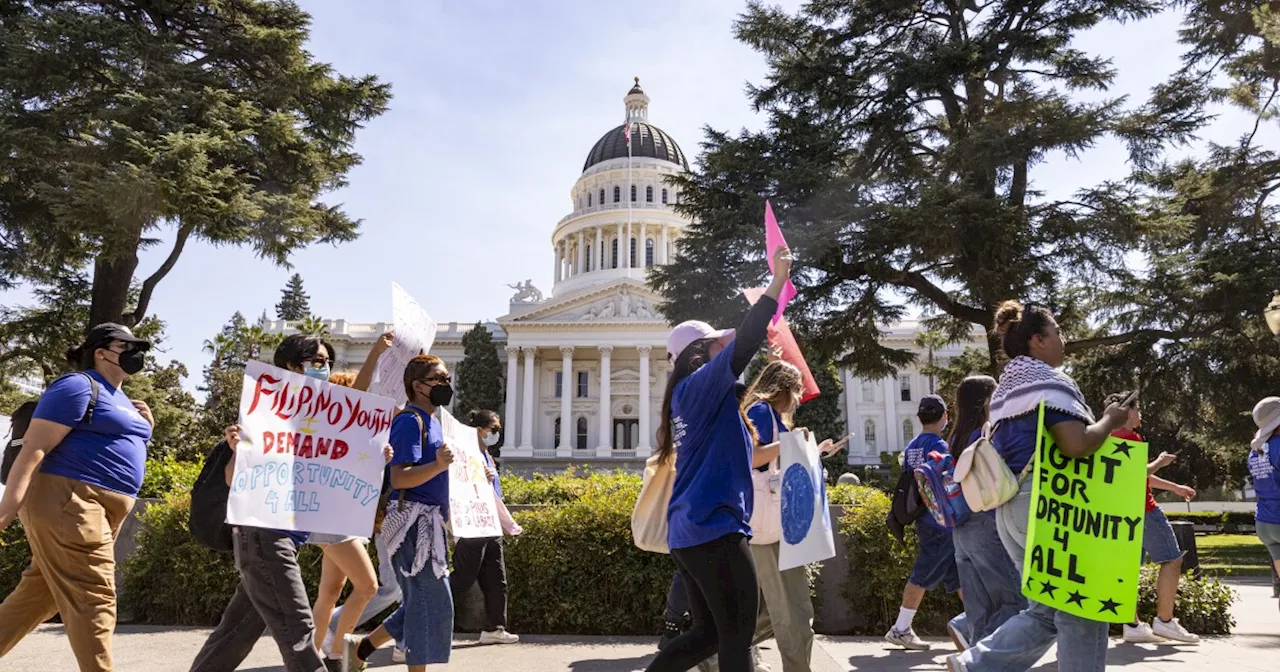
(712, 497)
(413, 529)
(1158, 542)
(1264, 469)
(1032, 340)
(72, 484)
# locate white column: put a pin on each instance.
(599, 246)
(582, 259)
(558, 264)
(893, 432)
(646, 422)
(640, 246)
(666, 242)
(605, 449)
(526, 414)
(624, 260)
(509, 423)
(566, 402)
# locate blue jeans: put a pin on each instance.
(424, 621)
(991, 582)
(1023, 639)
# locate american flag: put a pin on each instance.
(626, 131)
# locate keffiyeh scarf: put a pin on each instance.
(400, 518)
(1026, 382)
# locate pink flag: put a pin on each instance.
(782, 345)
(773, 240)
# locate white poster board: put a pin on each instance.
(310, 455)
(807, 534)
(473, 504)
(415, 333)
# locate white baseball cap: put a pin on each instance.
(1266, 415)
(687, 333)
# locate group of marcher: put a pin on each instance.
(80, 467)
(83, 454)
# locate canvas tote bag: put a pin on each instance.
(766, 515)
(649, 517)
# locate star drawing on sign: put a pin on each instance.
(1076, 598)
(363, 456)
(1047, 588)
(1123, 447)
(1108, 605)
(1031, 583)
(306, 427)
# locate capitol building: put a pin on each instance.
(586, 366)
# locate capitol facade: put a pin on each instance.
(586, 367)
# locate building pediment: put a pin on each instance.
(621, 302)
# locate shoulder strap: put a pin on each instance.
(94, 390)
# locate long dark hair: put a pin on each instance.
(971, 410)
(1016, 325)
(691, 359)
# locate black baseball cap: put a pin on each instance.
(932, 403)
(106, 332)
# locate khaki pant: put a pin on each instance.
(787, 609)
(71, 527)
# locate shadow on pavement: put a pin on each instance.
(897, 660)
(616, 665)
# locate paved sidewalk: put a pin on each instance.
(1254, 648)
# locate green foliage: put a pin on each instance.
(569, 486)
(167, 475)
(576, 571)
(11, 398)
(171, 579)
(1233, 555)
(294, 302)
(879, 566)
(174, 409)
(313, 326)
(823, 417)
(1203, 605)
(15, 556)
(480, 376)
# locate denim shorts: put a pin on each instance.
(1158, 541)
(1269, 535)
(936, 559)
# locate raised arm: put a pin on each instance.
(365, 378)
(755, 326)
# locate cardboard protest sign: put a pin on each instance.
(310, 454)
(415, 333)
(1084, 533)
(783, 345)
(473, 505)
(807, 534)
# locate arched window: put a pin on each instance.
(664, 196)
(648, 194)
(588, 199)
(908, 430)
(581, 442)
(557, 439)
(633, 253)
(615, 253)
(633, 193)
(648, 253)
(602, 197)
(617, 194)
(869, 436)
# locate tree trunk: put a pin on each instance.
(112, 276)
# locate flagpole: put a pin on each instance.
(627, 252)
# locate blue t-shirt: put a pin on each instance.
(1015, 438)
(712, 495)
(763, 416)
(915, 455)
(1264, 468)
(111, 451)
(406, 444)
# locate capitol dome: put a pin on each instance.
(646, 140)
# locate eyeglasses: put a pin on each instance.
(317, 362)
(494, 430)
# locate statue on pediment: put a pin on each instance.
(526, 292)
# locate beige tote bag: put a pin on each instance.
(649, 518)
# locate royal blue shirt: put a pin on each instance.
(406, 444)
(109, 452)
(1015, 438)
(763, 416)
(915, 455)
(1264, 468)
(712, 495)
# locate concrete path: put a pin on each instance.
(1254, 648)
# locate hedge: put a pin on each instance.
(1203, 605)
(1229, 522)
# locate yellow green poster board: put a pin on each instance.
(1084, 535)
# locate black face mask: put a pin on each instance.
(441, 394)
(131, 361)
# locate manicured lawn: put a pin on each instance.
(1233, 555)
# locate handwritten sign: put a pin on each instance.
(807, 533)
(310, 454)
(473, 505)
(1084, 534)
(415, 333)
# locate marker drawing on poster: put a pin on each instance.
(310, 455)
(415, 333)
(807, 534)
(473, 504)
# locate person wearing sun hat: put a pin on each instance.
(712, 497)
(1264, 468)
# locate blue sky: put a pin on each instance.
(495, 108)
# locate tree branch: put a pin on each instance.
(1121, 339)
(149, 285)
(940, 298)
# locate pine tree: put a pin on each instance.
(480, 376)
(294, 303)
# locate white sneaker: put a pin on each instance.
(908, 640)
(498, 636)
(759, 664)
(1141, 634)
(1173, 630)
(397, 655)
(327, 644)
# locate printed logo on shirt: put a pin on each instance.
(1259, 466)
(679, 430)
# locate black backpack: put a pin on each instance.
(208, 521)
(21, 419)
(907, 506)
